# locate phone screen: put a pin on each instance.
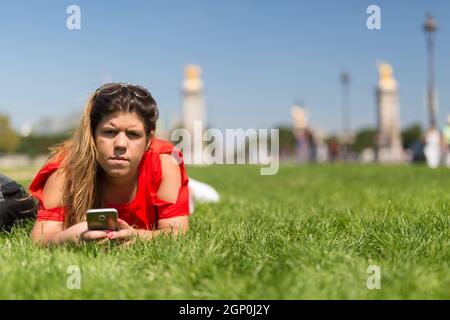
(102, 219)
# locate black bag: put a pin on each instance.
(16, 206)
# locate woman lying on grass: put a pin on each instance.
(112, 161)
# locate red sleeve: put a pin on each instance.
(166, 209)
(36, 188)
(54, 214)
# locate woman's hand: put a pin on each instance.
(126, 232)
(80, 232)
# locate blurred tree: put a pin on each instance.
(9, 141)
(365, 138)
(287, 140)
(34, 145)
(412, 135)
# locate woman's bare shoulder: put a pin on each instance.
(171, 178)
(52, 192)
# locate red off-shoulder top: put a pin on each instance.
(146, 208)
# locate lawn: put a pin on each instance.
(309, 232)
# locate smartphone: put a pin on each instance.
(102, 219)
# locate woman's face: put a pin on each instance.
(121, 141)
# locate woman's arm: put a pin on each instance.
(47, 232)
(173, 226)
(168, 191)
(51, 233)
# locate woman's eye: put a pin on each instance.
(134, 134)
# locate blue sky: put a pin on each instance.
(258, 57)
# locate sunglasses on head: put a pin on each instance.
(110, 89)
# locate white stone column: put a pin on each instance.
(389, 141)
(194, 109)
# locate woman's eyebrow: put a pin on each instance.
(131, 127)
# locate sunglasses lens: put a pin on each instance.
(109, 88)
(112, 88)
(140, 92)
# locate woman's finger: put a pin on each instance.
(121, 235)
(93, 234)
(123, 224)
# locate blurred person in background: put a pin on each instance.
(446, 142)
(433, 147)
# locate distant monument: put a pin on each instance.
(194, 107)
(299, 118)
(193, 100)
(305, 144)
(389, 141)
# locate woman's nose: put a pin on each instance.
(121, 141)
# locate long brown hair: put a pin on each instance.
(80, 166)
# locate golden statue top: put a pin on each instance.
(300, 117)
(386, 78)
(192, 71)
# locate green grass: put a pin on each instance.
(309, 232)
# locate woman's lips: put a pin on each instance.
(118, 160)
